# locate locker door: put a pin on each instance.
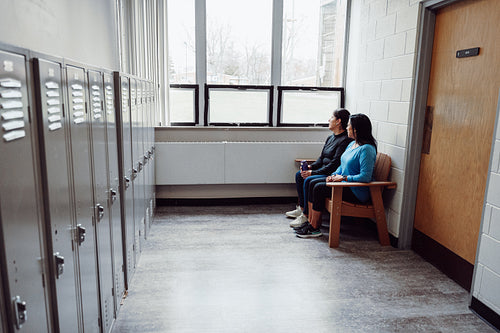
(142, 147)
(114, 198)
(101, 204)
(54, 162)
(134, 86)
(82, 188)
(139, 155)
(127, 203)
(20, 218)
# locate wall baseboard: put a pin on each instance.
(487, 314)
(225, 201)
(455, 267)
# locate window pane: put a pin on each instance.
(313, 42)
(182, 105)
(314, 107)
(181, 41)
(239, 41)
(249, 106)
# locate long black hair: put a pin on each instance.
(362, 128)
(343, 115)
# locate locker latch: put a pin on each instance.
(100, 212)
(127, 182)
(59, 259)
(134, 173)
(80, 234)
(139, 166)
(20, 312)
(113, 195)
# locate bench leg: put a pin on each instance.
(378, 206)
(335, 214)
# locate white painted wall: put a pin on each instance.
(486, 286)
(381, 59)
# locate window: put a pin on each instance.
(183, 104)
(237, 39)
(239, 42)
(181, 55)
(239, 105)
(307, 106)
(313, 42)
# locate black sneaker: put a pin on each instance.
(305, 226)
(309, 232)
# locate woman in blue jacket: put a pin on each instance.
(356, 165)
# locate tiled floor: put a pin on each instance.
(241, 269)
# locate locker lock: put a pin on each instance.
(59, 260)
(113, 195)
(140, 164)
(134, 173)
(80, 234)
(127, 182)
(100, 212)
(20, 312)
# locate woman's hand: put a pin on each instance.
(305, 174)
(336, 178)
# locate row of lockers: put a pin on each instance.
(77, 190)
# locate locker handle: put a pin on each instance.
(127, 182)
(134, 173)
(100, 212)
(80, 234)
(113, 195)
(59, 260)
(20, 312)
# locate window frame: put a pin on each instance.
(196, 89)
(239, 87)
(275, 111)
(281, 89)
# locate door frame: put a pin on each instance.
(420, 87)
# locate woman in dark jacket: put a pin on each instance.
(328, 162)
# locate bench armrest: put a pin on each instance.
(390, 185)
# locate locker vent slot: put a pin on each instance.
(54, 99)
(12, 109)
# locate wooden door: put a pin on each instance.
(463, 98)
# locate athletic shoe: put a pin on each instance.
(305, 226)
(294, 213)
(299, 221)
(309, 232)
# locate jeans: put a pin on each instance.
(303, 186)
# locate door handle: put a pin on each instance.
(20, 312)
(113, 195)
(100, 212)
(59, 261)
(80, 234)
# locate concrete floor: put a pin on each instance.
(242, 269)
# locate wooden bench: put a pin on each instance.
(375, 210)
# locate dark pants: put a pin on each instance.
(318, 192)
(303, 186)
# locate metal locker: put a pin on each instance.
(139, 155)
(101, 202)
(52, 129)
(22, 263)
(135, 168)
(85, 233)
(113, 190)
(142, 147)
(125, 170)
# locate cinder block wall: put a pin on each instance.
(380, 74)
(486, 287)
